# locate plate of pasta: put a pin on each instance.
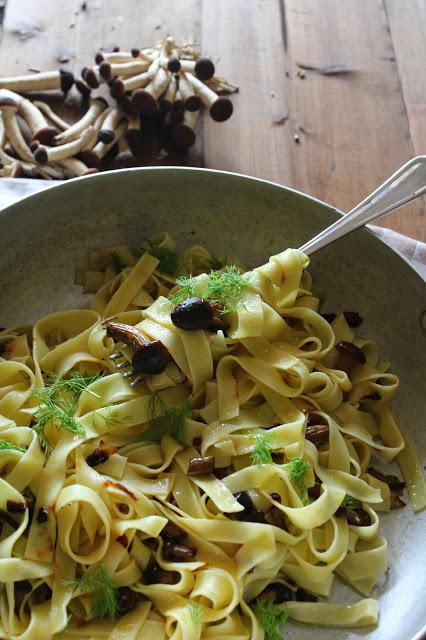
(203, 435)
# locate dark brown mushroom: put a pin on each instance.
(349, 356)
(200, 466)
(353, 319)
(126, 600)
(16, 507)
(176, 552)
(172, 532)
(42, 515)
(98, 456)
(150, 356)
(154, 574)
(192, 314)
(356, 517)
(317, 434)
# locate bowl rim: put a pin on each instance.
(99, 175)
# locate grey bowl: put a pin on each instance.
(44, 236)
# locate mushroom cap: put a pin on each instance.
(34, 144)
(176, 116)
(126, 104)
(45, 135)
(193, 103)
(173, 64)
(182, 137)
(165, 105)
(133, 137)
(99, 57)
(151, 359)
(178, 104)
(91, 79)
(123, 160)
(204, 69)
(144, 102)
(117, 88)
(135, 52)
(8, 103)
(105, 70)
(83, 87)
(67, 79)
(40, 155)
(221, 109)
(90, 158)
(106, 136)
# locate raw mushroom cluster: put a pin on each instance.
(166, 85)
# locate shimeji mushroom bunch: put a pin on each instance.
(166, 85)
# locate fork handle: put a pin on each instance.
(408, 183)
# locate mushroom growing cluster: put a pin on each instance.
(161, 89)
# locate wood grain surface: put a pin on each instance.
(332, 94)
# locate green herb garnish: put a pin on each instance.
(297, 468)
(261, 453)
(271, 618)
(195, 611)
(169, 259)
(163, 419)
(105, 599)
(226, 287)
(351, 503)
(187, 289)
(5, 444)
(109, 416)
(59, 412)
(116, 263)
(76, 383)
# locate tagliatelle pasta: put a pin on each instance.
(239, 479)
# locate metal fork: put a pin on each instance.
(126, 364)
(405, 185)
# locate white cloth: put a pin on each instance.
(12, 190)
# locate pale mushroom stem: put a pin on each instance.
(74, 131)
(44, 155)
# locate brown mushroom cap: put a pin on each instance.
(106, 136)
(83, 87)
(8, 102)
(117, 88)
(144, 102)
(176, 116)
(67, 80)
(133, 137)
(40, 155)
(165, 105)
(178, 104)
(123, 160)
(135, 52)
(105, 70)
(45, 135)
(204, 69)
(90, 158)
(34, 144)
(173, 64)
(91, 79)
(221, 109)
(99, 57)
(193, 103)
(182, 136)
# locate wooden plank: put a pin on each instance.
(407, 22)
(353, 127)
(39, 33)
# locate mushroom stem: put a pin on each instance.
(14, 135)
(203, 68)
(145, 100)
(46, 81)
(43, 155)
(113, 57)
(53, 117)
(37, 124)
(110, 70)
(183, 135)
(75, 168)
(191, 102)
(124, 157)
(121, 86)
(106, 133)
(166, 102)
(133, 133)
(74, 131)
(220, 108)
(93, 156)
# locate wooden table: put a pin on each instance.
(332, 93)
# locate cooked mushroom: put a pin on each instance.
(9, 109)
(183, 135)
(150, 356)
(191, 101)
(53, 117)
(112, 118)
(220, 108)
(192, 314)
(349, 356)
(43, 155)
(317, 434)
(74, 131)
(45, 81)
(200, 466)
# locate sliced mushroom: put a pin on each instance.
(46, 81)
(43, 155)
(51, 115)
(96, 107)
(220, 108)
